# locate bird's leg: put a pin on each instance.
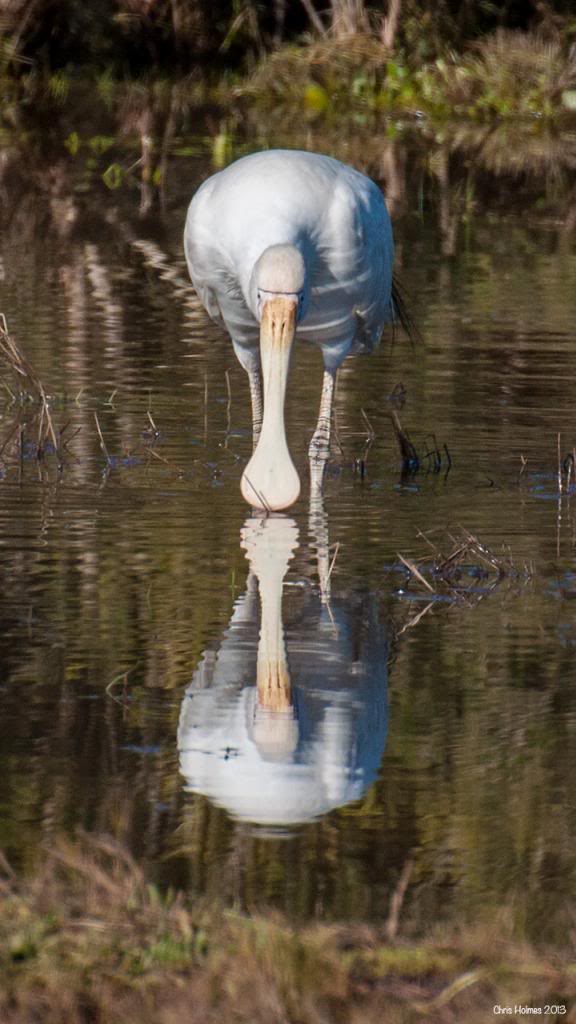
(318, 532)
(319, 448)
(255, 381)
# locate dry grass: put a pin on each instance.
(327, 64)
(87, 940)
(26, 375)
(459, 567)
(508, 73)
(30, 432)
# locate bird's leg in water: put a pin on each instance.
(255, 381)
(319, 448)
(319, 538)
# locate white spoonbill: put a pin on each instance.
(285, 244)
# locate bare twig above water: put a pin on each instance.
(259, 495)
(370, 428)
(433, 458)
(407, 449)
(333, 562)
(415, 572)
(566, 487)
(18, 363)
(468, 569)
(162, 458)
(101, 437)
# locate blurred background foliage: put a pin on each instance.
(137, 34)
(446, 58)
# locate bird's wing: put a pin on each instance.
(209, 225)
(358, 249)
(375, 259)
(200, 249)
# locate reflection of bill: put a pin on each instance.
(279, 729)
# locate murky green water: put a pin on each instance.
(436, 729)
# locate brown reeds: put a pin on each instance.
(461, 567)
(87, 939)
(24, 371)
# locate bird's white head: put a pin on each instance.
(279, 289)
(280, 272)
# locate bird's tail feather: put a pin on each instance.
(401, 313)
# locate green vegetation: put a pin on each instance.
(505, 74)
(445, 59)
(87, 939)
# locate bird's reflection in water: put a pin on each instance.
(280, 726)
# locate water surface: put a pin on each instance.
(436, 728)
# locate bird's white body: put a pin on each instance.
(286, 244)
(334, 215)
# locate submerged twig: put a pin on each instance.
(121, 678)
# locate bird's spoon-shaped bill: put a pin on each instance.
(270, 545)
(270, 481)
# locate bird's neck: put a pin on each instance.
(270, 480)
(269, 546)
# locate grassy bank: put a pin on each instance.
(506, 74)
(87, 940)
(481, 61)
